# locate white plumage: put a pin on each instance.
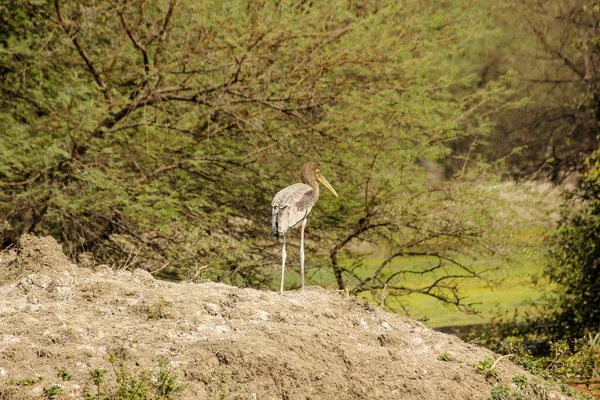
(292, 205)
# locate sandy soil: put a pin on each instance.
(217, 342)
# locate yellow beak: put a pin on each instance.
(322, 179)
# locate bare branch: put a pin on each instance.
(553, 51)
(454, 299)
(361, 228)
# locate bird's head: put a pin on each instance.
(312, 170)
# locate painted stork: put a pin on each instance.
(292, 205)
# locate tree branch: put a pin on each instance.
(33, 178)
(555, 52)
(134, 41)
(161, 34)
(333, 255)
(70, 31)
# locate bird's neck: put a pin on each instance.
(312, 182)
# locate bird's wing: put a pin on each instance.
(290, 206)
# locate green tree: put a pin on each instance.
(553, 48)
(156, 133)
(565, 91)
(572, 306)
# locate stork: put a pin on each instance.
(292, 205)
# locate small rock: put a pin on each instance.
(103, 269)
(222, 329)
(262, 315)
(103, 310)
(32, 298)
(212, 309)
(85, 259)
(36, 281)
(124, 274)
(144, 277)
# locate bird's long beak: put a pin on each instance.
(322, 179)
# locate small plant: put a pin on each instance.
(52, 392)
(98, 378)
(486, 368)
(158, 309)
(523, 357)
(500, 393)
(131, 387)
(445, 357)
(64, 374)
(26, 381)
(520, 381)
(69, 356)
(568, 390)
(165, 382)
(133, 384)
(504, 393)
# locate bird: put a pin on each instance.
(292, 205)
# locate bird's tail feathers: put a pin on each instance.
(275, 226)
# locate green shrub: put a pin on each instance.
(571, 310)
(52, 392)
(64, 374)
(520, 381)
(26, 381)
(486, 368)
(500, 393)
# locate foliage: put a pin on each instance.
(537, 388)
(504, 393)
(581, 360)
(155, 134)
(500, 393)
(128, 384)
(574, 262)
(573, 393)
(165, 382)
(158, 309)
(578, 360)
(520, 381)
(52, 392)
(487, 368)
(523, 356)
(25, 381)
(445, 357)
(97, 376)
(553, 48)
(64, 374)
(564, 326)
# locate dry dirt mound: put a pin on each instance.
(122, 333)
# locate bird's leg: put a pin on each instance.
(302, 251)
(282, 265)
